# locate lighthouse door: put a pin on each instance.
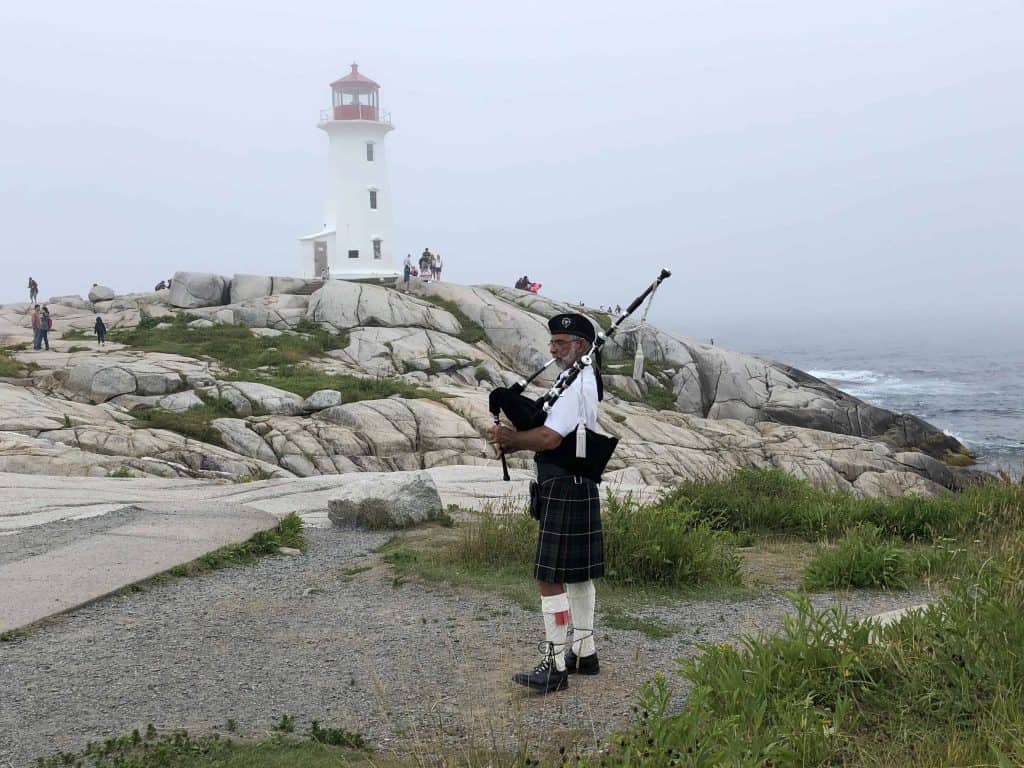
(319, 258)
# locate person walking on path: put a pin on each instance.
(33, 290)
(101, 331)
(570, 543)
(45, 324)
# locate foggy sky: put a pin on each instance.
(807, 170)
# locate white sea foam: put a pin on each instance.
(856, 377)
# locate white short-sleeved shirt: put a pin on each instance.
(565, 413)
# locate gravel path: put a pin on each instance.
(311, 637)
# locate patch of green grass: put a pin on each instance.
(660, 397)
(652, 628)
(603, 319)
(472, 331)
(939, 687)
(120, 472)
(77, 334)
(288, 533)
(234, 346)
(770, 501)
(657, 546)
(349, 573)
(962, 458)
(196, 422)
(863, 559)
(645, 547)
(11, 367)
(304, 380)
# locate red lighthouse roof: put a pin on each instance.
(355, 78)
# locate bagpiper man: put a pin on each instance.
(570, 546)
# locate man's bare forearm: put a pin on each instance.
(536, 439)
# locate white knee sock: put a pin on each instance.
(556, 624)
(581, 605)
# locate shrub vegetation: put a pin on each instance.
(472, 331)
(939, 687)
(234, 346)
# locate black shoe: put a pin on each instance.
(544, 677)
(583, 665)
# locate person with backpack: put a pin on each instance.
(33, 290)
(426, 261)
(101, 331)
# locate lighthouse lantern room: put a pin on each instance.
(356, 238)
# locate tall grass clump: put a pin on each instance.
(496, 540)
(645, 546)
(759, 500)
(11, 367)
(196, 422)
(770, 501)
(863, 559)
(651, 545)
(944, 686)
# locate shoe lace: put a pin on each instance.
(548, 649)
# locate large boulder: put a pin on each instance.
(100, 293)
(265, 398)
(397, 500)
(341, 305)
(199, 289)
(245, 287)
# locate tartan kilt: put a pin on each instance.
(570, 544)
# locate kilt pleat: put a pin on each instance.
(570, 544)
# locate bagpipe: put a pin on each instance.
(592, 450)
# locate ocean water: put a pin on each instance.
(974, 391)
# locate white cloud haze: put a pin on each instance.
(806, 169)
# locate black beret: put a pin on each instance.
(573, 324)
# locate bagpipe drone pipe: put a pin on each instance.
(589, 458)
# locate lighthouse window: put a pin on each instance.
(369, 151)
(353, 254)
(376, 249)
(373, 198)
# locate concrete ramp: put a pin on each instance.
(52, 579)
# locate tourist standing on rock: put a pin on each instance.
(426, 261)
(436, 268)
(101, 331)
(33, 290)
(36, 320)
(407, 271)
(45, 324)
(570, 544)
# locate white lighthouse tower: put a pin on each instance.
(356, 239)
